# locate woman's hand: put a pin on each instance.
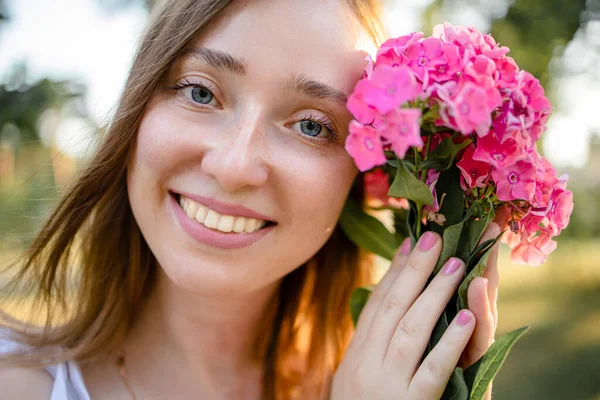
(383, 360)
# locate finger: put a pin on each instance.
(431, 378)
(414, 330)
(483, 334)
(367, 313)
(502, 216)
(491, 270)
(403, 292)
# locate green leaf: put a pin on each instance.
(400, 224)
(449, 186)
(438, 331)
(475, 272)
(471, 372)
(492, 361)
(367, 231)
(477, 227)
(408, 186)
(450, 238)
(359, 298)
(457, 387)
(432, 163)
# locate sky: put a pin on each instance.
(63, 39)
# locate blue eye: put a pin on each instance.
(202, 95)
(310, 127)
(317, 129)
(196, 92)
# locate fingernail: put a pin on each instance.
(427, 241)
(451, 266)
(405, 247)
(463, 318)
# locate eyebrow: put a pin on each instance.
(217, 59)
(310, 87)
(225, 62)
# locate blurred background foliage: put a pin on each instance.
(557, 359)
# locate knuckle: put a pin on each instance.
(434, 370)
(390, 304)
(408, 330)
(411, 265)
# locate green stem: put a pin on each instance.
(418, 229)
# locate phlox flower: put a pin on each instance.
(496, 153)
(449, 66)
(364, 146)
(515, 181)
(360, 109)
(533, 251)
(558, 211)
(474, 173)
(469, 109)
(400, 128)
(424, 55)
(431, 180)
(390, 87)
(507, 70)
(392, 50)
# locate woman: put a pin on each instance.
(205, 227)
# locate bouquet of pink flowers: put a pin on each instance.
(446, 128)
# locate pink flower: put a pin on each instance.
(538, 106)
(515, 181)
(498, 154)
(364, 146)
(533, 251)
(431, 180)
(377, 185)
(558, 211)
(469, 109)
(474, 173)
(450, 64)
(401, 128)
(424, 55)
(392, 50)
(362, 111)
(507, 72)
(390, 87)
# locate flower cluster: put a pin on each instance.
(460, 83)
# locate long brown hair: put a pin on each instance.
(91, 253)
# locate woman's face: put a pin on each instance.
(251, 120)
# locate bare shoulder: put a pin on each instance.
(25, 383)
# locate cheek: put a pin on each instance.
(318, 197)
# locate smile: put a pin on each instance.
(216, 221)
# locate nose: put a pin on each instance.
(237, 160)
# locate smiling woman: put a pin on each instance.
(209, 258)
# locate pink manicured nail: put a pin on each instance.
(463, 318)
(427, 241)
(451, 266)
(405, 248)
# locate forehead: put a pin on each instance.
(279, 38)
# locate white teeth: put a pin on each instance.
(213, 220)
(201, 214)
(225, 223)
(250, 225)
(239, 224)
(191, 210)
